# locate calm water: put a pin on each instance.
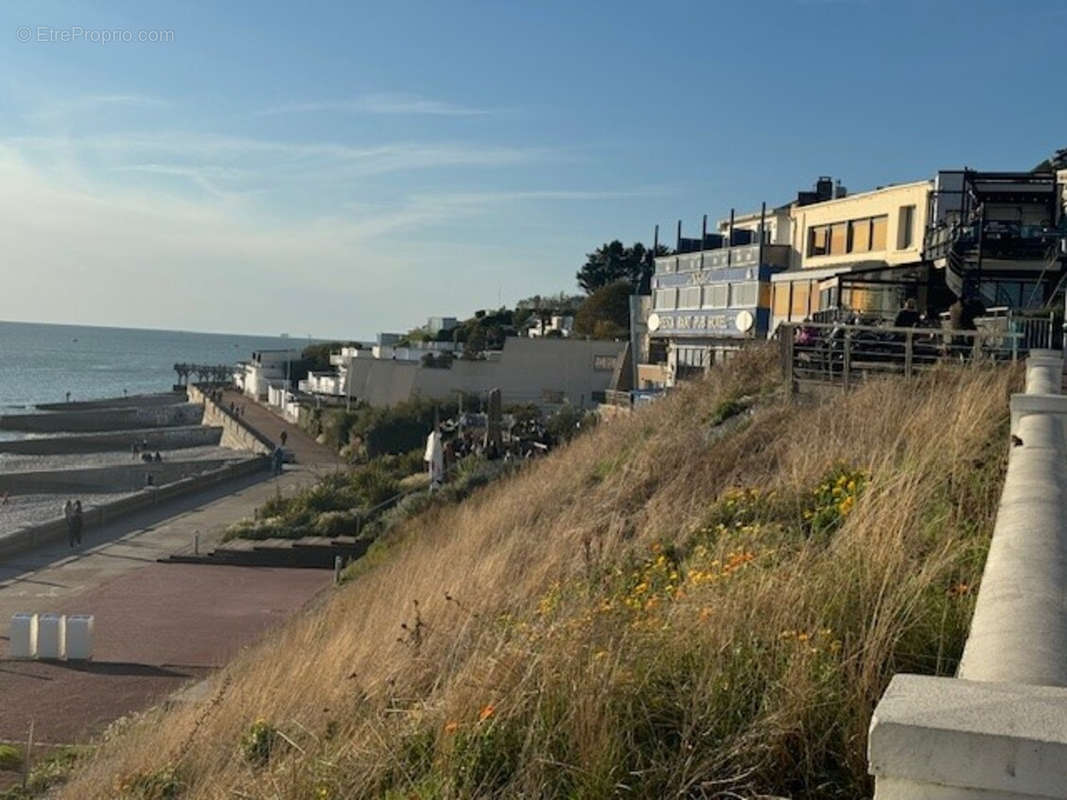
(41, 363)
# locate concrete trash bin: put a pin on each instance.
(23, 635)
(79, 637)
(50, 632)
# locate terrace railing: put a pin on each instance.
(842, 355)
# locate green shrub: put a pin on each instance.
(259, 742)
(160, 784)
(10, 757)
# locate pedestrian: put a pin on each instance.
(77, 522)
(158, 457)
(277, 459)
(284, 437)
(68, 515)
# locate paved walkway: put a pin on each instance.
(305, 449)
(157, 625)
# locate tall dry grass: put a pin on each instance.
(506, 647)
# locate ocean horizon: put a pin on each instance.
(41, 362)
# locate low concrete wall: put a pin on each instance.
(95, 516)
(158, 439)
(112, 419)
(998, 730)
(113, 478)
(235, 433)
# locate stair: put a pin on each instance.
(310, 552)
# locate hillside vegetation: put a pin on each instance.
(696, 601)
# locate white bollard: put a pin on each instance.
(23, 635)
(79, 637)
(50, 632)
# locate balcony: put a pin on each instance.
(737, 257)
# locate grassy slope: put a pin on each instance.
(614, 622)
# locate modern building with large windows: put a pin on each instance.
(862, 252)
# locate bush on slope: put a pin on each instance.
(652, 611)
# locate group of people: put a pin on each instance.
(72, 512)
(141, 449)
(236, 410)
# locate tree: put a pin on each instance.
(605, 314)
(615, 262)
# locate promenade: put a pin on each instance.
(158, 626)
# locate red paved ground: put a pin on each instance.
(156, 629)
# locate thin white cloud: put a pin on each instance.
(87, 104)
(381, 103)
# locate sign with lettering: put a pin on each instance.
(706, 323)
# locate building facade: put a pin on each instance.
(843, 249)
(547, 372)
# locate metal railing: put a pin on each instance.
(844, 355)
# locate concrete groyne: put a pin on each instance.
(175, 438)
(128, 401)
(108, 419)
(113, 478)
(999, 729)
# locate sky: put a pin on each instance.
(338, 169)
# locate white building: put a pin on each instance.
(545, 326)
(255, 376)
(544, 371)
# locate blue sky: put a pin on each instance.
(339, 169)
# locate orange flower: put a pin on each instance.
(486, 713)
(451, 727)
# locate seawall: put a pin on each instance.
(95, 516)
(235, 433)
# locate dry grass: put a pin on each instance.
(505, 647)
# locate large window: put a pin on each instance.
(905, 226)
(854, 236)
(716, 295)
(860, 236)
(878, 227)
(839, 239)
(743, 294)
(781, 299)
(801, 291)
(819, 240)
(666, 298)
(689, 297)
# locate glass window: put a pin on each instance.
(878, 226)
(819, 240)
(839, 239)
(781, 299)
(666, 298)
(689, 297)
(716, 295)
(743, 294)
(905, 226)
(860, 236)
(799, 308)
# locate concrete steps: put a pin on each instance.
(311, 552)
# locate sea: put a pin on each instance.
(40, 363)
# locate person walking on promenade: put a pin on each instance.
(77, 521)
(68, 515)
(284, 437)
